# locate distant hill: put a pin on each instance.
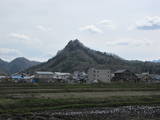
(3, 67)
(156, 61)
(76, 56)
(17, 65)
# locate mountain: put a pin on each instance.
(20, 64)
(156, 61)
(3, 68)
(76, 56)
(17, 65)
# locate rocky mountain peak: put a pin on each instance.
(74, 44)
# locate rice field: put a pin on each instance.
(37, 98)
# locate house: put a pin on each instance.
(79, 77)
(149, 78)
(99, 75)
(124, 76)
(43, 76)
(21, 77)
(144, 77)
(155, 78)
(16, 78)
(3, 78)
(62, 77)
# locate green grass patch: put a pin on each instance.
(69, 86)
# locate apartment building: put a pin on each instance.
(99, 75)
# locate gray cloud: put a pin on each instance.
(107, 24)
(43, 28)
(98, 27)
(26, 39)
(8, 53)
(91, 29)
(20, 36)
(149, 23)
(129, 42)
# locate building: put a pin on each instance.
(79, 77)
(124, 76)
(21, 77)
(43, 76)
(3, 78)
(149, 78)
(99, 75)
(62, 77)
(155, 78)
(144, 78)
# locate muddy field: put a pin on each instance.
(108, 113)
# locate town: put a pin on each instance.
(92, 76)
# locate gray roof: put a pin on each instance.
(60, 73)
(120, 71)
(44, 72)
(143, 75)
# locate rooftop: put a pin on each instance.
(59, 73)
(120, 71)
(44, 72)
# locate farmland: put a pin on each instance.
(30, 98)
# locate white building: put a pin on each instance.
(99, 75)
(43, 76)
(3, 77)
(62, 76)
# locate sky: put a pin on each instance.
(37, 29)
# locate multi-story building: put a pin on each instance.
(99, 75)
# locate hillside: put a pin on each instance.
(76, 56)
(156, 61)
(3, 68)
(17, 65)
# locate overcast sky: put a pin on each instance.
(37, 29)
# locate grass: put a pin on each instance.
(30, 91)
(59, 88)
(39, 104)
(70, 86)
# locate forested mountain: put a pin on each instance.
(76, 56)
(17, 65)
(3, 67)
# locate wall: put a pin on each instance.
(95, 75)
